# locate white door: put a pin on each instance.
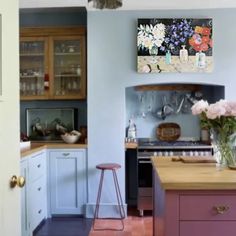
(9, 118)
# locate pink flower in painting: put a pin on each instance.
(199, 107)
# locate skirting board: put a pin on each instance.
(105, 210)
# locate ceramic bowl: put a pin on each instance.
(70, 138)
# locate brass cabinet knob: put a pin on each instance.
(20, 181)
(221, 209)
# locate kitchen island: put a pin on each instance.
(193, 199)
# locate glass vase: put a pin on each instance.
(168, 57)
(153, 51)
(200, 59)
(223, 149)
(183, 54)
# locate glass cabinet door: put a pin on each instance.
(68, 67)
(32, 68)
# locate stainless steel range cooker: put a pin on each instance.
(148, 148)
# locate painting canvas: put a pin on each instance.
(174, 45)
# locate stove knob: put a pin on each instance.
(155, 154)
(183, 153)
(201, 153)
(191, 153)
(171, 153)
(166, 153)
(196, 153)
(160, 153)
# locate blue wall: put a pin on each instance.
(112, 68)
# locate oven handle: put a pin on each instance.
(144, 162)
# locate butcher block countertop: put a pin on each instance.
(175, 175)
(35, 147)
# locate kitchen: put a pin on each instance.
(107, 86)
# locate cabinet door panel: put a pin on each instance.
(33, 67)
(207, 228)
(68, 67)
(67, 182)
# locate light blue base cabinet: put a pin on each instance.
(67, 181)
(34, 193)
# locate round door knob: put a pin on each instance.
(20, 181)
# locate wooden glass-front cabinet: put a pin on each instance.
(52, 63)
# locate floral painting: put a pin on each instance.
(175, 45)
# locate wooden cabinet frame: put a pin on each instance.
(48, 35)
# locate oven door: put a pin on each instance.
(144, 173)
(144, 184)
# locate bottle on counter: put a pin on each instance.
(132, 131)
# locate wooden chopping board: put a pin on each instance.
(190, 159)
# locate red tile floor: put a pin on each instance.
(134, 225)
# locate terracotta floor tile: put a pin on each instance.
(134, 226)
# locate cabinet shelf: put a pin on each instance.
(31, 76)
(67, 54)
(31, 54)
(67, 75)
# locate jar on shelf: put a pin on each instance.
(183, 54)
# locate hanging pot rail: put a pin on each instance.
(171, 87)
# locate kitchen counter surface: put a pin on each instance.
(193, 176)
(35, 147)
(131, 145)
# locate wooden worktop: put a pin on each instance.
(193, 176)
(35, 147)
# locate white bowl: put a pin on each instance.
(70, 138)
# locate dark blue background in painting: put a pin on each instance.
(169, 21)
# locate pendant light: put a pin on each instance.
(106, 4)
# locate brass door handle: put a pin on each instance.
(221, 209)
(20, 181)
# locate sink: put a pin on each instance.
(25, 145)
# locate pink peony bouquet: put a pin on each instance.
(219, 116)
(219, 119)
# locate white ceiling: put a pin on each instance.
(134, 4)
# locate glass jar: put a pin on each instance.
(200, 59)
(168, 57)
(183, 54)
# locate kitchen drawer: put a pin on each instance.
(38, 214)
(37, 166)
(203, 207)
(207, 228)
(38, 200)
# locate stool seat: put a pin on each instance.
(108, 166)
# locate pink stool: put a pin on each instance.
(113, 167)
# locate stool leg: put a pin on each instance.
(98, 198)
(119, 198)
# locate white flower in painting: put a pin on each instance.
(150, 36)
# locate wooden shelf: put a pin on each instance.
(171, 87)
